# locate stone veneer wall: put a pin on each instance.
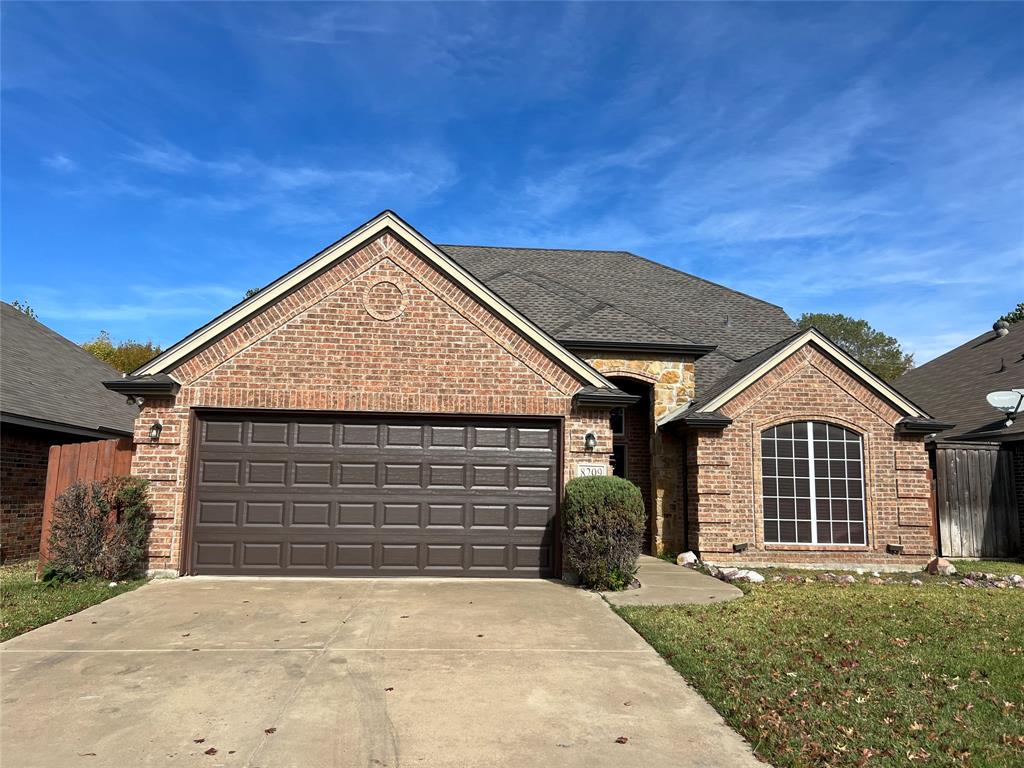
(381, 331)
(724, 473)
(672, 385)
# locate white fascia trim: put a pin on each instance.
(862, 374)
(357, 238)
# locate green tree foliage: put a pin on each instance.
(23, 306)
(125, 356)
(1015, 315)
(879, 352)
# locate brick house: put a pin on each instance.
(51, 393)
(392, 406)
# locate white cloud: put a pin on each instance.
(60, 162)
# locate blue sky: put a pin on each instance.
(160, 159)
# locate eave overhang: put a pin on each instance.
(700, 420)
(98, 432)
(665, 348)
(159, 384)
(922, 426)
(603, 397)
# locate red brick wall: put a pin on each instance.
(23, 460)
(350, 340)
(724, 482)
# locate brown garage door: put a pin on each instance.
(293, 495)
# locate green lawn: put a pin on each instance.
(26, 604)
(825, 675)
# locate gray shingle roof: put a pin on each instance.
(952, 387)
(45, 377)
(585, 295)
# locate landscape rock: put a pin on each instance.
(728, 574)
(968, 582)
(915, 582)
(687, 559)
(751, 576)
(940, 566)
(875, 581)
(847, 579)
(829, 577)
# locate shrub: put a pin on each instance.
(99, 529)
(603, 521)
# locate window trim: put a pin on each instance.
(862, 461)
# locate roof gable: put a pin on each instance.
(386, 221)
(748, 371)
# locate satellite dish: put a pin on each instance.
(1008, 401)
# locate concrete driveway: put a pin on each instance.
(279, 673)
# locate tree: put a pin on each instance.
(1015, 315)
(23, 306)
(879, 352)
(125, 356)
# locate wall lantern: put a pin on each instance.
(590, 441)
(155, 430)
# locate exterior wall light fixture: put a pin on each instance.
(155, 430)
(590, 441)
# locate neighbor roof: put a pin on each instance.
(953, 386)
(617, 296)
(49, 382)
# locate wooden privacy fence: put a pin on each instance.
(976, 501)
(80, 462)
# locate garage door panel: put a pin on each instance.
(222, 432)
(274, 433)
(323, 496)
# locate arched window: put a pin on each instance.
(812, 481)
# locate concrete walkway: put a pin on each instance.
(664, 583)
(339, 673)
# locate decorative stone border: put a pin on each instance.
(384, 300)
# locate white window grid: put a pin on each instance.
(831, 456)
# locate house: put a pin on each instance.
(979, 460)
(51, 393)
(392, 406)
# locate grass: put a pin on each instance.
(860, 675)
(26, 604)
(998, 567)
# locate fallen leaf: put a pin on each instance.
(211, 751)
(270, 730)
(622, 740)
(389, 689)
(198, 741)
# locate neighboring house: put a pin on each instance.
(979, 460)
(392, 406)
(51, 393)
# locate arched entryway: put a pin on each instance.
(631, 440)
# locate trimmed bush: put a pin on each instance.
(99, 529)
(603, 523)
